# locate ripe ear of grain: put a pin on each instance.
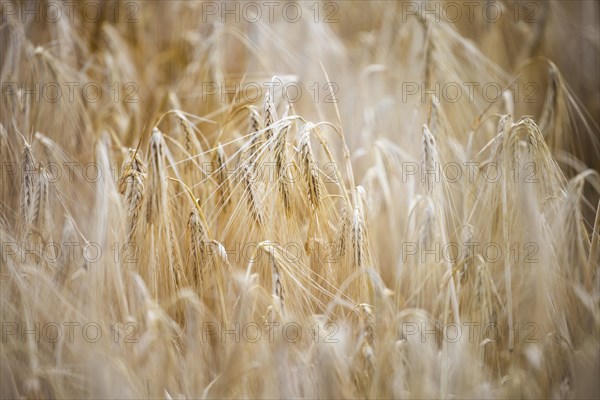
(253, 193)
(310, 171)
(282, 174)
(156, 198)
(131, 187)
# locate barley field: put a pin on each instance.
(300, 199)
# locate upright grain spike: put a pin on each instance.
(282, 171)
(429, 158)
(358, 239)
(310, 171)
(131, 186)
(269, 114)
(342, 232)
(197, 245)
(255, 126)
(157, 189)
(277, 280)
(28, 187)
(40, 204)
(220, 165)
(251, 188)
(174, 258)
(365, 353)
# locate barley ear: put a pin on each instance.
(253, 193)
(310, 171)
(269, 114)
(131, 186)
(281, 165)
(27, 184)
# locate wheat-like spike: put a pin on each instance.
(310, 171)
(190, 142)
(365, 366)
(40, 205)
(277, 281)
(220, 164)
(429, 49)
(281, 168)
(483, 292)
(342, 232)
(255, 126)
(174, 260)
(429, 157)
(269, 114)
(157, 202)
(253, 192)
(131, 186)
(198, 243)
(28, 184)
(358, 239)
(187, 136)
